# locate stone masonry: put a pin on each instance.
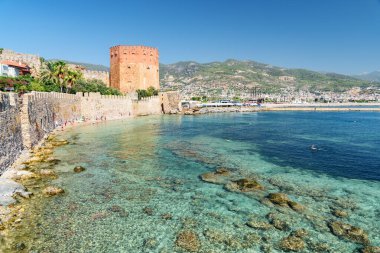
(133, 68)
(10, 130)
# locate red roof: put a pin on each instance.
(15, 64)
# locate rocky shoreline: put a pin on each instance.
(27, 172)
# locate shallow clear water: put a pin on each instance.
(141, 169)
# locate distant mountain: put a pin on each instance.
(88, 66)
(373, 76)
(212, 79)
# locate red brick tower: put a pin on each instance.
(133, 68)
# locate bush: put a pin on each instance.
(94, 86)
(151, 91)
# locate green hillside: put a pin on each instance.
(242, 76)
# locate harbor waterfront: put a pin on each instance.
(230, 182)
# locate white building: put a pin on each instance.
(6, 70)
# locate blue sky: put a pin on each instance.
(342, 36)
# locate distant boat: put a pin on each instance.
(313, 148)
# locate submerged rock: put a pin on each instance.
(79, 169)
(222, 171)
(211, 177)
(57, 143)
(279, 198)
(216, 177)
(148, 211)
(116, 209)
(243, 185)
(301, 233)
(99, 216)
(53, 160)
(246, 185)
(370, 249)
(188, 240)
(292, 243)
(259, 224)
(150, 243)
(166, 216)
(296, 206)
(53, 190)
(339, 213)
(348, 232)
(283, 200)
(48, 173)
(319, 247)
(280, 224)
(215, 235)
(251, 239)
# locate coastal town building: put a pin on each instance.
(133, 68)
(13, 69)
(32, 61)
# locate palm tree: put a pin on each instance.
(47, 75)
(71, 78)
(60, 71)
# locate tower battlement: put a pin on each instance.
(134, 67)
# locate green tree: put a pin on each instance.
(48, 74)
(151, 91)
(71, 78)
(94, 86)
(36, 86)
(58, 74)
(60, 71)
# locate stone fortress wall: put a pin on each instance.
(10, 130)
(33, 61)
(103, 76)
(134, 67)
(25, 120)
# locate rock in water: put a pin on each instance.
(52, 191)
(259, 225)
(188, 240)
(166, 216)
(292, 243)
(148, 211)
(247, 185)
(282, 199)
(79, 169)
(348, 232)
(47, 173)
(296, 206)
(279, 199)
(217, 177)
(222, 171)
(301, 233)
(370, 249)
(8, 188)
(339, 213)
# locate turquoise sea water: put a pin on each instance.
(139, 171)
